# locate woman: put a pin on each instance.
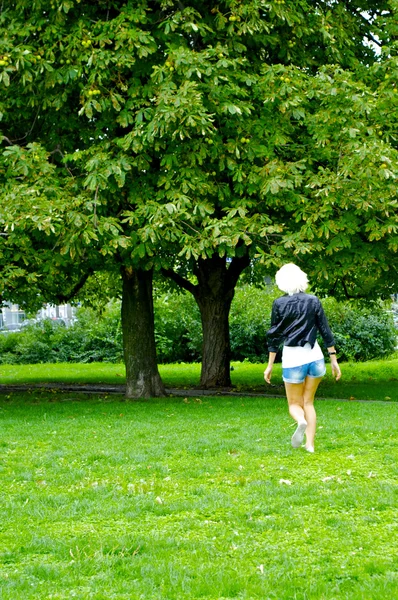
(296, 319)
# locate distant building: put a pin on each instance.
(11, 315)
(61, 311)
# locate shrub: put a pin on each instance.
(178, 328)
(91, 338)
(361, 332)
(96, 337)
(249, 321)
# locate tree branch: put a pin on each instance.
(30, 130)
(63, 298)
(179, 280)
(238, 264)
(4, 137)
(348, 295)
(357, 13)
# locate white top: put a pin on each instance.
(295, 356)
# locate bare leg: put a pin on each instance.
(295, 398)
(310, 387)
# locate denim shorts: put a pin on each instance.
(298, 374)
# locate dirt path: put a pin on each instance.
(104, 388)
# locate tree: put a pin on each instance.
(53, 248)
(65, 218)
(246, 123)
(192, 138)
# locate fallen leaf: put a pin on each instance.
(159, 500)
(285, 481)
(261, 569)
(328, 478)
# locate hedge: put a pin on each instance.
(362, 332)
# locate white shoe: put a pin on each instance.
(298, 435)
(310, 449)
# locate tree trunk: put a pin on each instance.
(214, 294)
(216, 349)
(142, 375)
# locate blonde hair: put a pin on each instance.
(291, 279)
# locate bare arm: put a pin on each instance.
(268, 370)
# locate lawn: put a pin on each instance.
(195, 498)
(374, 380)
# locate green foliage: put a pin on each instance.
(362, 332)
(91, 339)
(178, 328)
(95, 337)
(36, 344)
(249, 321)
(155, 133)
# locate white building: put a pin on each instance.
(11, 316)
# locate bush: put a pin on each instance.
(178, 328)
(250, 319)
(361, 332)
(92, 338)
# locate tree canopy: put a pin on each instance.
(203, 128)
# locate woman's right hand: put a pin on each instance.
(268, 373)
(336, 372)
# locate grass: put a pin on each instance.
(178, 499)
(374, 380)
